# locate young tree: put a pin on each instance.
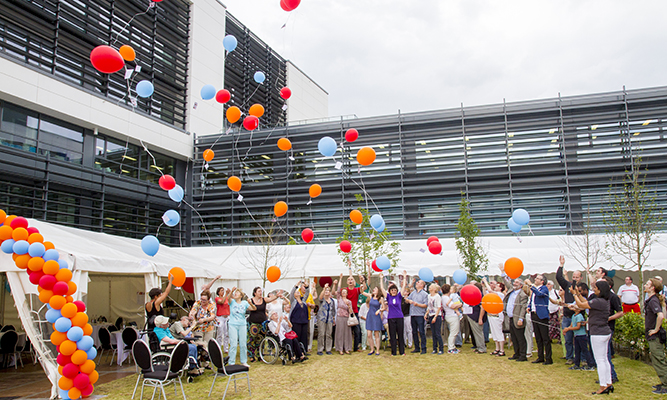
(472, 253)
(585, 249)
(367, 243)
(267, 253)
(631, 220)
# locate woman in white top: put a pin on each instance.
(277, 305)
(433, 317)
(496, 320)
(282, 329)
(450, 303)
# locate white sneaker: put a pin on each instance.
(246, 365)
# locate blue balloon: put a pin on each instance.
(36, 249)
(460, 276)
(21, 247)
(85, 343)
(611, 273)
(63, 324)
(92, 353)
(376, 221)
(514, 227)
(208, 92)
(383, 263)
(63, 264)
(176, 193)
(64, 394)
(521, 216)
(381, 228)
(230, 43)
(7, 246)
(75, 333)
(259, 77)
(150, 245)
(171, 217)
(52, 315)
(327, 146)
(51, 254)
(145, 88)
(426, 275)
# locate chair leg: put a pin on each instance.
(163, 393)
(142, 390)
(234, 385)
(226, 387)
(136, 386)
(248, 378)
(213, 384)
(182, 390)
(154, 389)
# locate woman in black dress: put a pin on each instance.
(154, 306)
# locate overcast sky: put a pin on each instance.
(375, 57)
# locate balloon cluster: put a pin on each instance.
(72, 332)
(520, 217)
(150, 244)
(108, 60)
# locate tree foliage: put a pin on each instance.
(472, 254)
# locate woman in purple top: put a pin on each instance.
(395, 315)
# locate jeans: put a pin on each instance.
(418, 332)
(436, 333)
(238, 338)
(600, 344)
(364, 336)
(454, 328)
(192, 354)
(609, 354)
(486, 330)
(581, 351)
(396, 335)
(569, 337)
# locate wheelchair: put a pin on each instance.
(271, 349)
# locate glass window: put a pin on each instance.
(19, 121)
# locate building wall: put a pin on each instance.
(309, 101)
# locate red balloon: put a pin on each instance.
(47, 282)
(80, 306)
(285, 93)
(167, 182)
(375, 266)
(60, 288)
(70, 371)
(289, 5)
(81, 381)
(19, 222)
(307, 235)
(251, 122)
(32, 230)
(431, 239)
(351, 135)
(63, 360)
(35, 277)
(471, 295)
(106, 59)
(89, 389)
(223, 96)
(189, 285)
(324, 280)
(345, 246)
(435, 247)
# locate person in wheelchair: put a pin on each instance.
(165, 337)
(182, 329)
(283, 329)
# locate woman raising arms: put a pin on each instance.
(395, 314)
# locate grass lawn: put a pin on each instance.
(465, 375)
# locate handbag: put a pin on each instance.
(352, 320)
(291, 335)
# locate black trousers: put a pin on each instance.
(541, 330)
(518, 336)
(301, 331)
(396, 333)
(356, 334)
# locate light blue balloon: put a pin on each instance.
(51, 254)
(36, 249)
(85, 343)
(145, 88)
(92, 353)
(521, 216)
(171, 217)
(327, 146)
(63, 264)
(75, 333)
(7, 246)
(376, 221)
(381, 228)
(611, 273)
(63, 324)
(21, 247)
(64, 394)
(383, 263)
(514, 227)
(176, 193)
(259, 77)
(230, 43)
(208, 92)
(150, 245)
(460, 277)
(426, 275)
(52, 315)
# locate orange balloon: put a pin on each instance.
(65, 383)
(80, 320)
(14, 256)
(284, 144)
(51, 267)
(79, 357)
(64, 275)
(22, 261)
(20, 234)
(74, 393)
(71, 290)
(6, 232)
(8, 220)
(69, 299)
(35, 237)
(280, 208)
(36, 264)
(87, 367)
(45, 296)
(356, 216)
(94, 376)
(234, 183)
(257, 110)
(233, 114)
(57, 302)
(69, 310)
(60, 369)
(128, 54)
(179, 276)
(67, 348)
(58, 337)
(208, 155)
(315, 190)
(513, 267)
(366, 156)
(87, 329)
(3, 216)
(49, 245)
(492, 303)
(273, 274)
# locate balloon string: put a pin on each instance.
(202, 222)
(151, 154)
(363, 188)
(122, 160)
(284, 231)
(151, 4)
(312, 223)
(258, 224)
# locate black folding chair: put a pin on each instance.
(145, 361)
(177, 365)
(7, 328)
(105, 344)
(129, 336)
(8, 342)
(233, 372)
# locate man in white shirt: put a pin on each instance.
(629, 294)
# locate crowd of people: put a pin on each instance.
(359, 317)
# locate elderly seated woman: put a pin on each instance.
(283, 329)
(182, 329)
(165, 337)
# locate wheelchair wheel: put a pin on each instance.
(268, 350)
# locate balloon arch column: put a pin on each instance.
(72, 332)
